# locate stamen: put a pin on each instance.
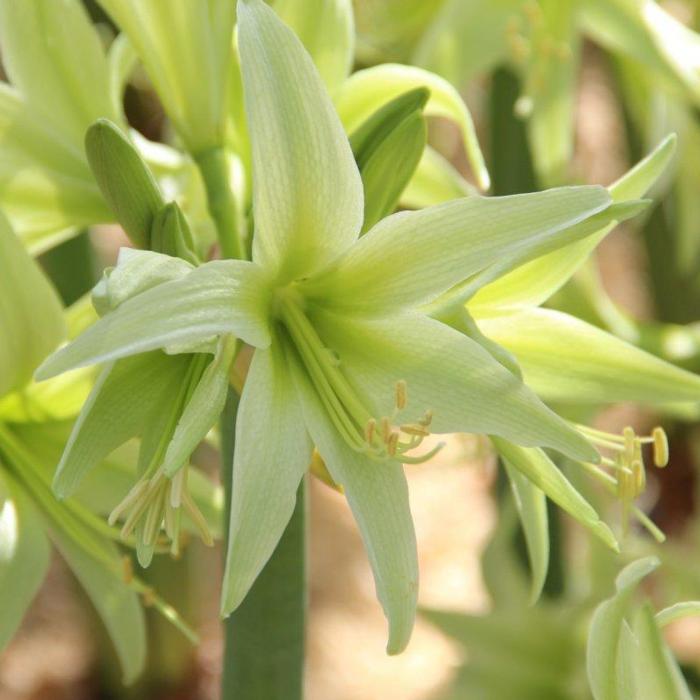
(660, 447)
(370, 430)
(401, 395)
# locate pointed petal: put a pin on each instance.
(273, 452)
(203, 408)
(125, 394)
(378, 496)
(308, 192)
(24, 556)
(448, 373)
(218, 298)
(368, 90)
(565, 359)
(31, 314)
(412, 257)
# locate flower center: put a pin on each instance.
(381, 438)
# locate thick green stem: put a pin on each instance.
(264, 637)
(214, 168)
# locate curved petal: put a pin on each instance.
(378, 496)
(412, 257)
(565, 359)
(273, 452)
(218, 298)
(466, 389)
(308, 201)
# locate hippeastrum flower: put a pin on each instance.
(34, 423)
(346, 359)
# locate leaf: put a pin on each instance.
(532, 509)
(272, 455)
(327, 30)
(543, 473)
(607, 628)
(24, 556)
(219, 298)
(368, 90)
(31, 315)
(307, 189)
(124, 179)
(565, 359)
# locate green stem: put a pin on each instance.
(264, 637)
(214, 168)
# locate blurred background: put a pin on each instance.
(641, 285)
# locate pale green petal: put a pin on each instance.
(327, 30)
(566, 359)
(378, 497)
(531, 503)
(368, 90)
(435, 181)
(54, 56)
(448, 373)
(657, 674)
(412, 257)
(677, 612)
(308, 201)
(534, 282)
(273, 452)
(24, 556)
(607, 626)
(118, 605)
(185, 48)
(219, 298)
(543, 473)
(203, 408)
(31, 315)
(125, 395)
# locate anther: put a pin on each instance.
(370, 430)
(401, 395)
(392, 444)
(386, 429)
(660, 447)
(127, 570)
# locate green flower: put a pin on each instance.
(346, 357)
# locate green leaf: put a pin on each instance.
(307, 189)
(272, 454)
(543, 473)
(444, 245)
(534, 282)
(656, 673)
(116, 603)
(202, 409)
(447, 373)
(219, 298)
(327, 30)
(368, 90)
(565, 359)
(388, 148)
(179, 42)
(378, 498)
(24, 556)
(125, 395)
(124, 179)
(31, 315)
(54, 56)
(531, 503)
(606, 630)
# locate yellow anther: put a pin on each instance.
(392, 444)
(660, 446)
(385, 424)
(640, 477)
(413, 429)
(401, 395)
(127, 570)
(370, 430)
(427, 418)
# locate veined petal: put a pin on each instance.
(24, 556)
(221, 297)
(117, 409)
(565, 359)
(273, 452)
(368, 90)
(378, 496)
(31, 314)
(54, 56)
(410, 258)
(466, 389)
(327, 30)
(308, 197)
